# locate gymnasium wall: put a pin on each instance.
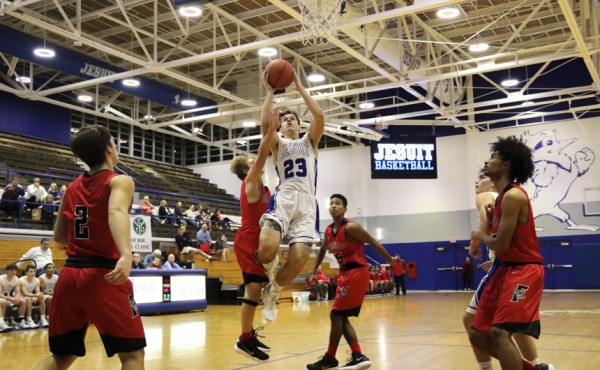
(34, 118)
(416, 216)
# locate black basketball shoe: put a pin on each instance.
(250, 350)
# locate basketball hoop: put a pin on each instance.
(318, 20)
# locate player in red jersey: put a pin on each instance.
(510, 301)
(254, 201)
(94, 285)
(346, 240)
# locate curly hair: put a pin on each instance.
(518, 154)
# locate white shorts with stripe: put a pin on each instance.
(297, 215)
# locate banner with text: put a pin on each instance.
(412, 157)
(141, 233)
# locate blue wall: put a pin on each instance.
(584, 255)
(33, 118)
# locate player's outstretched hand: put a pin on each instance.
(486, 266)
(121, 272)
(297, 82)
(475, 249)
(266, 83)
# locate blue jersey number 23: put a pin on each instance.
(294, 168)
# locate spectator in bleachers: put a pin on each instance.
(47, 282)
(136, 263)
(199, 214)
(185, 244)
(165, 214)
(155, 264)
(178, 212)
(10, 201)
(49, 209)
(221, 247)
(30, 291)
(190, 215)
(17, 186)
(206, 216)
(224, 222)
(170, 264)
(204, 239)
(35, 193)
(53, 190)
(150, 257)
(41, 254)
(11, 294)
(148, 209)
(62, 190)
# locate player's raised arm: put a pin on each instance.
(317, 127)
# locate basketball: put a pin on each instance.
(280, 73)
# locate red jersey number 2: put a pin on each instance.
(82, 231)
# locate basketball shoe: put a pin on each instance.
(356, 361)
(324, 362)
(269, 297)
(260, 345)
(544, 367)
(250, 350)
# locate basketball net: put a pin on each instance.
(318, 20)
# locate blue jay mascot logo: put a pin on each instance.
(555, 172)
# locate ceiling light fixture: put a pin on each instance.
(241, 142)
(447, 13)
(44, 52)
(23, 79)
(478, 48)
(190, 11)
(316, 77)
(249, 124)
(267, 51)
(189, 102)
(196, 130)
(366, 105)
(510, 82)
(84, 98)
(131, 82)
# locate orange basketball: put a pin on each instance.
(280, 73)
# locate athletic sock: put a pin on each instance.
(247, 336)
(485, 365)
(536, 361)
(528, 365)
(331, 351)
(355, 347)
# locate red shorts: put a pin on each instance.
(511, 300)
(82, 297)
(245, 245)
(352, 286)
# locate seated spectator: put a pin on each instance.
(386, 280)
(206, 216)
(136, 263)
(183, 216)
(148, 210)
(53, 190)
(35, 193)
(164, 213)
(170, 264)
(199, 214)
(190, 216)
(62, 190)
(47, 283)
(185, 244)
(30, 291)
(10, 201)
(221, 248)
(17, 187)
(11, 296)
(322, 284)
(218, 219)
(41, 255)
(155, 264)
(150, 257)
(204, 239)
(49, 209)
